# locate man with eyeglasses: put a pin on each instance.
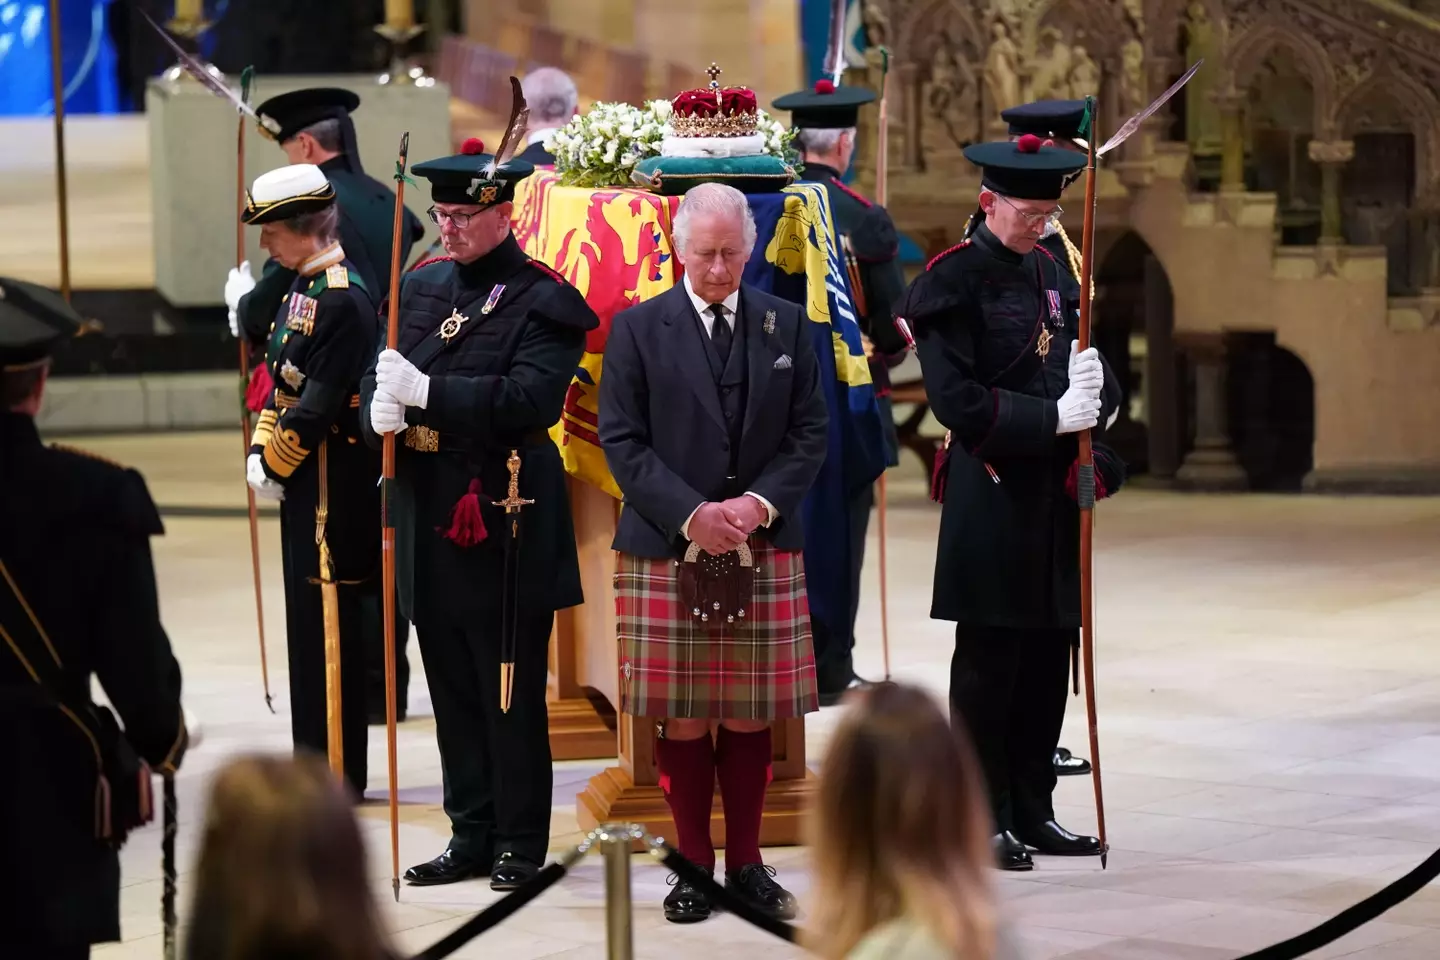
(489, 341)
(991, 320)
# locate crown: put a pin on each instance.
(715, 111)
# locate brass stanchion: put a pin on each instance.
(616, 840)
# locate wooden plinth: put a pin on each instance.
(580, 731)
(630, 792)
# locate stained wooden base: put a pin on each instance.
(612, 797)
(580, 731)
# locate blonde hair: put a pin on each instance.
(900, 828)
(282, 871)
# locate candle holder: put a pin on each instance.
(401, 70)
(187, 32)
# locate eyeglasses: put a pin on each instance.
(461, 220)
(1033, 220)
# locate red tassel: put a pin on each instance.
(257, 394)
(940, 474)
(1072, 482)
(467, 526)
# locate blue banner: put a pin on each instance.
(87, 58)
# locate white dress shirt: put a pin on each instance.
(729, 307)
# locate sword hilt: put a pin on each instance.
(513, 502)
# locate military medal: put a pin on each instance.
(452, 324)
(493, 299)
(301, 316)
(769, 324)
(1042, 344)
(291, 374)
(1056, 313)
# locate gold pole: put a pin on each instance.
(57, 74)
(619, 919)
(330, 606)
(399, 29)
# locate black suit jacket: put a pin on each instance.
(537, 154)
(664, 434)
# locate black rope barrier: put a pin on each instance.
(495, 914)
(1353, 917)
(167, 865)
(728, 901)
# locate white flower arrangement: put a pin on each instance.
(601, 147)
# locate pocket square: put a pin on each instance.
(784, 363)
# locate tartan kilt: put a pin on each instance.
(672, 667)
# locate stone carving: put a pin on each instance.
(1002, 69)
(1331, 151)
(877, 23)
(952, 94)
(1135, 13)
(1202, 117)
(1050, 72)
(1084, 74)
(1132, 76)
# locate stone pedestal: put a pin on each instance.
(1212, 464)
(1331, 155)
(1231, 105)
(192, 169)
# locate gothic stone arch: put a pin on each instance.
(1248, 53)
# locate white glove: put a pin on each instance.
(239, 283)
(1086, 371)
(402, 380)
(387, 415)
(1079, 410)
(259, 482)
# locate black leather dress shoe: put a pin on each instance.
(511, 871)
(1069, 765)
(830, 698)
(755, 882)
(449, 867)
(1053, 839)
(686, 904)
(1011, 854)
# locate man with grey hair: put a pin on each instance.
(825, 120)
(553, 100)
(714, 426)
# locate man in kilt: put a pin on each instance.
(713, 424)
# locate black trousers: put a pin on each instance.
(46, 951)
(375, 657)
(496, 766)
(305, 640)
(1009, 688)
(835, 648)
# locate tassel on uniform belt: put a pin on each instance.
(330, 604)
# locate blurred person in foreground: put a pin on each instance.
(77, 598)
(282, 870)
(553, 101)
(901, 837)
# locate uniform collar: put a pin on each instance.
(985, 237)
(323, 260)
(495, 266)
(17, 430)
(818, 171)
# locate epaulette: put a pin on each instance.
(88, 455)
(425, 263)
(337, 277)
(945, 253)
(555, 275)
(845, 188)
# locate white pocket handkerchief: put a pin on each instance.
(784, 363)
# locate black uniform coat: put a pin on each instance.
(319, 347)
(1009, 544)
(665, 437)
(367, 212)
(75, 536)
(499, 384)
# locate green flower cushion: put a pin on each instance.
(673, 176)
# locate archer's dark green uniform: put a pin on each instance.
(872, 246)
(319, 345)
(75, 537)
(498, 383)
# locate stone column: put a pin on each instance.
(1231, 105)
(1331, 155)
(1160, 395)
(1212, 464)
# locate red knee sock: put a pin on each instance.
(743, 762)
(687, 775)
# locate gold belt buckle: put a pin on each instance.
(423, 439)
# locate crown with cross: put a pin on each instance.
(715, 111)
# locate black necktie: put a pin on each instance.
(720, 332)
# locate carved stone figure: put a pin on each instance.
(1002, 69)
(1203, 127)
(951, 96)
(1084, 74)
(1132, 76)
(1051, 71)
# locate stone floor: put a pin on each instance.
(1269, 703)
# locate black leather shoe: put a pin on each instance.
(511, 871)
(1069, 765)
(830, 698)
(755, 882)
(449, 867)
(1011, 854)
(686, 904)
(1053, 839)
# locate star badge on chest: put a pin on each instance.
(291, 374)
(1042, 344)
(769, 323)
(452, 324)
